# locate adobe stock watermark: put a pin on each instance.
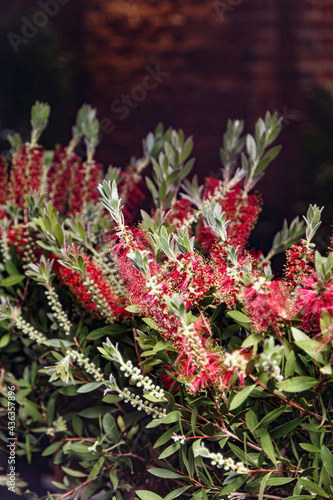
(30, 27)
(12, 439)
(123, 106)
(223, 7)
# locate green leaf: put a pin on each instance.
(273, 415)
(114, 479)
(241, 397)
(171, 417)
(242, 455)
(289, 370)
(267, 445)
(150, 322)
(51, 449)
(107, 330)
(132, 309)
(73, 473)
(169, 450)
(93, 412)
(268, 158)
(310, 346)
(5, 339)
(251, 420)
(300, 497)
(251, 147)
(57, 343)
(297, 384)
(327, 458)
(263, 485)
(77, 425)
(166, 436)
(97, 467)
(310, 486)
(251, 340)
(12, 280)
(147, 495)
(31, 409)
(240, 318)
(284, 429)
(309, 447)
(164, 473)
(278, 481)
(91, 386)
(234, 485)
(176, 493)
(110, 428)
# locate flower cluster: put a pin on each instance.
(217, 460)
(205, 337)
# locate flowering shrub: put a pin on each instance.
(163, 359)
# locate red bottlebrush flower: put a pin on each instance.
(131, 190)
(311, 298)
(191, 277)
(84, 180)
(18, 237)
(146, 293)
(168, 383)
(205, 237)
(211, 186)
(197, 363)
(60, 181)
(300, 263)
(225, 284)
(266, 303)
(25, 174)
(180, 213)
(242, 214)
(82, 290)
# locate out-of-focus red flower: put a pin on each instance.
(179, 213)
(241, 211)
(25, 173)
(266, 304)
(311, 298)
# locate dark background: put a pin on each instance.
(224, 59)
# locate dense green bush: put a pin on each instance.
(161, 359)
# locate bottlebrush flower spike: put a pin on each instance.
(241, 213)
(27, 163)
(315, 293)
(300, 263)
(25, 173)
(266, 304)
(82, 188)
(190, 276)
(91, 287)
(61, 179)
(180, 213)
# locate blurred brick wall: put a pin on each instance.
(232, 58)
(218, 59)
